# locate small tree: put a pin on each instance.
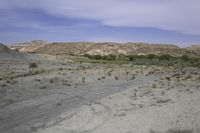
(131, 57)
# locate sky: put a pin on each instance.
(151, 21)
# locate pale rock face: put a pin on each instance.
(122, 52)
(195, 49)
(107, 48)
(96, 52)
(29, 46)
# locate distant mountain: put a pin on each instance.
(29, 46)
(106, 48)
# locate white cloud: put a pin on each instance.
(177, 15)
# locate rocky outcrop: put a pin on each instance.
(195, 49)
(30, 47)
(114, 49)
(7, 53)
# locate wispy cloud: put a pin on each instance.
(154, 21)
(177, 15)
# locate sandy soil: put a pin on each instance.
(64, 97)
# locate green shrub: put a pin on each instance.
(130, 58)
(87, 55)
(112, 57)
(116, 78)
(97, 57)
(122, 56)
(151, 56)
(33, 65)
(165, 57)
(151, 59)
(133, 57)
(185, 58)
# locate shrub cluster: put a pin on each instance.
(164, 60)
(104, 57)
(151, 59)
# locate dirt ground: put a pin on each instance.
(64, 97)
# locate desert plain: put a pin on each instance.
(55, 93)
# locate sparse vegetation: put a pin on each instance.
(168, 78)
(188, 77)
(4, 85)
(185, 58)
(154, 85)
(150, 59)
(53, 80)
(99, 57)
(113, 91)
(133, 77)
(33, 65)
(163, 100)
(116, 78)
(43, 87)
(103, 77)
(109, 73)
(83, 79)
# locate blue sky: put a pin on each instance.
(152, 21)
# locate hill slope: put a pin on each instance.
(107, 48)
(30, 47)
(115, 49)
(7, 53)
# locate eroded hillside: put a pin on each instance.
(107, 48)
